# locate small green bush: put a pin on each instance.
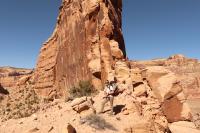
(84, 88)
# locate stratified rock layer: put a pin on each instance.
(86, 40)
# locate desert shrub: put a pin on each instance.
(98, 122)
(23, 105)
(84, 88)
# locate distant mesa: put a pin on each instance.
(9, 76)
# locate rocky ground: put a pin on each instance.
(153, 98)
(54, 117)
(136, 111)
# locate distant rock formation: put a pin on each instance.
(186, 69)
(86, 41)
(9, 76)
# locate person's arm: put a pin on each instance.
(106, 92)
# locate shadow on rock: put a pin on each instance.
(118, 108)
(98, 122)
(3, 90)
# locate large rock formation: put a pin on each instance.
(175, 82)
(86, 41)
(187, 71)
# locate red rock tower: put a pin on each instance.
(84, 46)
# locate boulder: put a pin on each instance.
(164, 83)
(136, 75)
(78, 101)
(160, 124)
(115, 50)
(83, 103)
(140, 90)
(183, 127)
(132, 107)
(167, 88)
(175, 110)
(122, 71)
(139, 127)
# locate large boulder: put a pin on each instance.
(136, 75)
(140, 90)
(163, 82)
(176, 110)
(81, 104)
(183, 127)
(168, 90)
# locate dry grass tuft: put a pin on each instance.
(98, 122)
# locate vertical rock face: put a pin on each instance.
(84, 46)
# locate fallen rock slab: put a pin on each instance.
(78, 101)
(175, 110)
(81, 104)
(140, 90)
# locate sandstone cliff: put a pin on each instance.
(85, 42)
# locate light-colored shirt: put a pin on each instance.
(110, 89)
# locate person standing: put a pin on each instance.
(109, 93)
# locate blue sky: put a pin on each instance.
(24, 26)
(160, 28)
(152, 29)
